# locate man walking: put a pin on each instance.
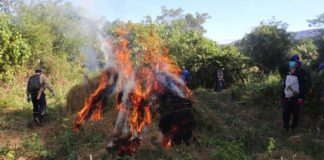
(36, 86)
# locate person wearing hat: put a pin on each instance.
(36, 86)
(305, 78)
(291, 97)
(305, 83)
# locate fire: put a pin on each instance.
(140, 80)
(92, 104)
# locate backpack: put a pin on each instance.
(34, 84)
(292, 86)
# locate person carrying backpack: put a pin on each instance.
(292, 98)
(36, 86)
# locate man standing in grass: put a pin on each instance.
(292, 97)
(304, 82)
(36, 86)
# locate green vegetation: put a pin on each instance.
(267, 45)
(243, 122)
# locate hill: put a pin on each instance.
(311, 33)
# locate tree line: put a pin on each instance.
(50, 33)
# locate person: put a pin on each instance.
(185, 75)
(292, 98)
(304, 82)
(321, 87)
(219, 80)
(305, 78)
(36, 86)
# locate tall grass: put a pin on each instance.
(264, 89)
(62, 74)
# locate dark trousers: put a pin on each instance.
(219, 86)
(290, 108)
(39, 106)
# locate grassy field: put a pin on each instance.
(227, 128)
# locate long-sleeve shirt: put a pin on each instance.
(45, 84)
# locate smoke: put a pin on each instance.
(91, 60)
(140, 78)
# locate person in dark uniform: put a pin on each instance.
(36, 86)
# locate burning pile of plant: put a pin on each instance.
(148, 87)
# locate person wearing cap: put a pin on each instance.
(291, 97)
(305, 78)
(304, 82)
(38, 97)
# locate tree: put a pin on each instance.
(267, 45)
(7, 6)
(306, 49)
(317, 22)
(14, 49)
(187, 22)
(319, 41)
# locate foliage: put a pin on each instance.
(230, 150)
(14, 49)
(5, 150)
(35, 148)
(271, 145)
(184, 22)
(307, 51)
(260, 88)
(267, 45)
(318, 21)
(319, 42)
(6, 6)
(313, 99)
(67, 141)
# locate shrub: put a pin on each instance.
(230, 150)
(264, 89)
(35, 148)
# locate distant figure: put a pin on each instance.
(292, 97)
(321, 72)
(185, 75)
(36, 86)
(219, 80)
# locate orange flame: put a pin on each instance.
(89, 102)
(141, 69)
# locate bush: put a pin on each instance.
(264, 89)
(14, 49)
(230, 150)
(35, 148)
(67, 141)
(268, 45)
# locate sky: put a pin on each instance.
(230, 19)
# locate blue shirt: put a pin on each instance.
(185, 74)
